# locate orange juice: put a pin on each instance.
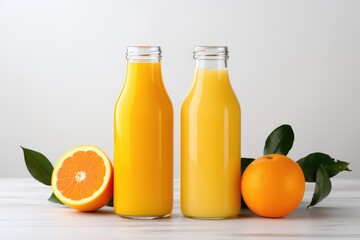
(143, 152)
(210, 141)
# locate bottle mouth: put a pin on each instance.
(211, 53)
(143, 53)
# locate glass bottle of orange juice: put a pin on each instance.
(143, 149)
(210, 140)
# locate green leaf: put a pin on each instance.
(38, 165)
(243, 204)
(311, 163)
(280, 140)
(336, 167)
(322, 187)
(54, 199)
(244, 164)
(110, 203)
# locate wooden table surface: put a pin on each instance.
(25, 213)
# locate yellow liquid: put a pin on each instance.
(210, 147)
(143, 151)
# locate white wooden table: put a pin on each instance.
(25, 213)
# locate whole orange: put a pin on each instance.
(273, 186)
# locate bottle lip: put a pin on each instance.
(211, 52)
(146, 53)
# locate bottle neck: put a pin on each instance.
(211, 57)
(143, 74)
(211, 75)
(211, 63)
(146, 54)
(143, 61)
(143, 67)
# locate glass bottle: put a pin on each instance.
(143, 146)
(210, 140)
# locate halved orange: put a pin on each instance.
(83, 178)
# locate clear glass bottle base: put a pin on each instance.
(144, 217)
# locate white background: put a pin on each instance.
(62, 66)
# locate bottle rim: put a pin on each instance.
(211, 52)
(143, 53)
